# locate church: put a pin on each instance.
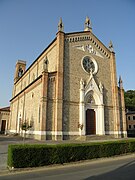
(70, 91)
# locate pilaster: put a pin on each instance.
(10, 117)
(123, 114)
(59, 86)
(100, 120)
(82, 121)
(115, 103)
(43, 102)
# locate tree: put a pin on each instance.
(130, 100)
(25, 127)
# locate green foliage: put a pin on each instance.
(130, 100)
(20, 156)
(25, 126)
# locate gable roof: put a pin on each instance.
(130, 112)
(5, 109)
(87, 35)
(94, 40)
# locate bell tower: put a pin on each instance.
(19, 69)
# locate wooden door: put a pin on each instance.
(3, 126)
(90, 122)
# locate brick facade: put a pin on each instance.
(49, 93)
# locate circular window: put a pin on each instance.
(89, 65)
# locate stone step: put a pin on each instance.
(95, 137)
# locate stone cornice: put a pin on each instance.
(26, 88)
(88, 37)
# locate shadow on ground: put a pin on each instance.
(10, 138)
(126, 172)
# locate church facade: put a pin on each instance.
(70, 90)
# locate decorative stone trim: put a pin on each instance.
(115, 132)
(76, 133)
(70, 133)
(77, 38)
(11, 131)
(49, 132)
(87, 38)
(52, 79)
(45, 132)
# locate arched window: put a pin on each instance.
(90, 99)
(20, 72)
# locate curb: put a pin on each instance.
(13, 171)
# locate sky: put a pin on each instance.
(27, 27)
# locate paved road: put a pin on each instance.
(118, 168)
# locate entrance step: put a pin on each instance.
(95, 137)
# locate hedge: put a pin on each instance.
(22, 156)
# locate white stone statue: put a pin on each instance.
(82, 84)
(60, 25)
(101, 87)
(45, 64)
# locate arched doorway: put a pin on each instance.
(90, 122)
(91, 108)
(90, 114)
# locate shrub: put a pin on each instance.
(20, 156)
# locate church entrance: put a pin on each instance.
(91, 109)
(90, 122)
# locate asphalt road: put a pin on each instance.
(118, 168)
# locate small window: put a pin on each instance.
(20, 72)
(129, 126)
(128, 117)
(133, 117)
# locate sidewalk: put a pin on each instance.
(4, 142)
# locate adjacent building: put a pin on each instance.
(4, 119)
(130, 117)
(70, 90)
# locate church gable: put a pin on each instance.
(88, 48)
(88, 42)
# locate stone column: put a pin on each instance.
(82, 122)
(101, 124)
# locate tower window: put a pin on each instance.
(20, 72)
(128, 117)
(133, 117)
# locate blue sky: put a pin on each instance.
(28, 26)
